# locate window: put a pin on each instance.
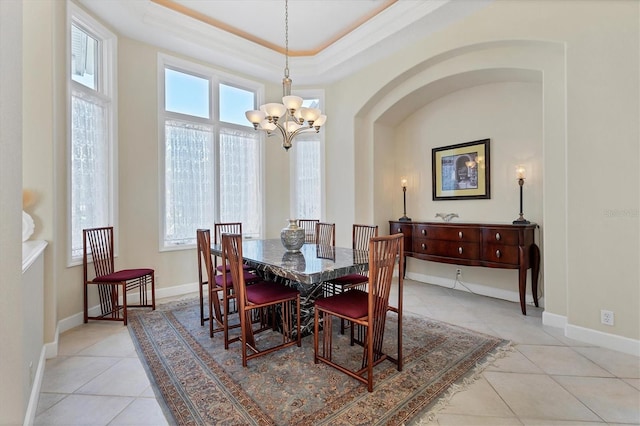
(212, 155)
(306, 171)
(92, 128)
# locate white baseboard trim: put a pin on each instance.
(32, 406)
(606, 340)
(483, 290)
(592, 337)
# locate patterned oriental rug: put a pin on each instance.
(201, 383)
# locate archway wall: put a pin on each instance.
(583, 67)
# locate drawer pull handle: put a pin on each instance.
(498, 254)
(398, 230)
(460, 234)
(424, 232)
(424, 246)
(498, 236)
(459, 250)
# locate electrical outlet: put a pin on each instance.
(458, 273)
(606, 317)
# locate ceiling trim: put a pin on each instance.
(172, 5)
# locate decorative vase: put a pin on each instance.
(27, 226)
(292, 236)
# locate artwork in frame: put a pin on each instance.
(461, 172)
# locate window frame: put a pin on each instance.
(215, 77)
(106, 92)
(293, 168)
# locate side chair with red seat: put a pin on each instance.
(365, 309)
(258, 297)
(219, 229)
(222, 286)
(113, 286)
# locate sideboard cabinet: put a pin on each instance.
(503, 246)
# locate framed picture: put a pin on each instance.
(461, 172)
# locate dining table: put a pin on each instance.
(306, 269)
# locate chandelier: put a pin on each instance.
(290, 118)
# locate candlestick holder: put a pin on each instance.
(404, 218)
(520, 174)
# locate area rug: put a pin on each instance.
(201, 383)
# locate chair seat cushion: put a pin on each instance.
(350, 279)
(248, 278)
(123, 275)
(352, 303)
(268, 292)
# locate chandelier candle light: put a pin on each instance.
(520, 173)
(404, 218)
(290, 118)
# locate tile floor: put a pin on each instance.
(97, 378)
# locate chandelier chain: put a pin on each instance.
(286, 37)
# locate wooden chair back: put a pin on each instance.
(98, 244)
(326, 234)
(309, 226)
(362, 234)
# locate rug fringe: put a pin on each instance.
(443, 401)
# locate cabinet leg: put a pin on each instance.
(535, 271)
(522, 280)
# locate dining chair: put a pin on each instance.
(219, 228)
(361, 234)
(309, 226)
(280, 298)
(112, 285)
(221, 288)
(364, 308)
(325, 234)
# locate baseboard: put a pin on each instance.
(32, 406)
(483, 290)
(592, 337)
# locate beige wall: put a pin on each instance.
(510, 115)
(586, 56)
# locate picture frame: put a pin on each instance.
(462, 171)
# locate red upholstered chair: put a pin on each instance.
(221, 288)
(360, 241)
(280, 298)
(365, 309)
(219, 229)
(112, 285)
(326, 234)
(309, 226)
(360, 237)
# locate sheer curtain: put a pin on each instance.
(240, 177)
(90, 165)
(189, 181)
(308, 177)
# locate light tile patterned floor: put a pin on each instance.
(97, 378)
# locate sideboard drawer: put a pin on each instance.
(501, 236)
(442, 248)
(500, 253)
(448, 233)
